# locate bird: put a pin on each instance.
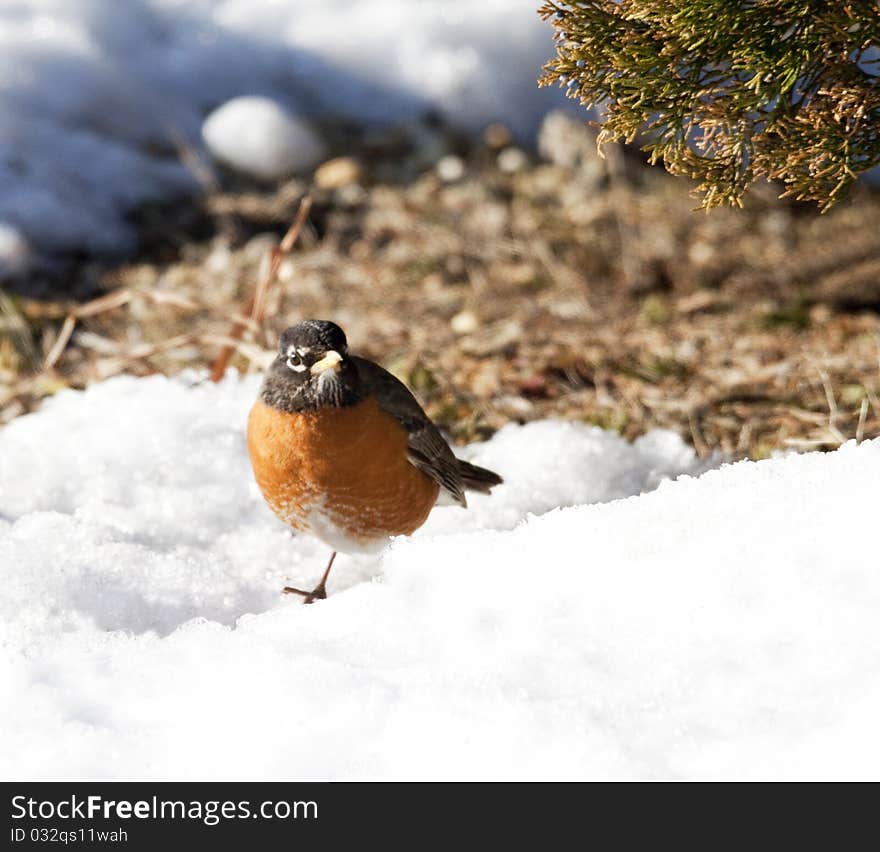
(342, 450)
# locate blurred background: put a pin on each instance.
(462, 229)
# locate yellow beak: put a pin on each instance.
(330, 361)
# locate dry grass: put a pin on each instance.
(506, 296)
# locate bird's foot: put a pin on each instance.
(316, 594)
(319, 592)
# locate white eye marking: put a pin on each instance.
(294, 362)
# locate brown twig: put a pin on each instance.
(89, 309)
(833, 413)
(60, 342)
(122, 297)
(256, 305)
(863, 416)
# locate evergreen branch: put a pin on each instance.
(731, 92)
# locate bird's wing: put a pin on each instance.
(427, 449)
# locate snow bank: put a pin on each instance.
(720, 626)
(97, 96)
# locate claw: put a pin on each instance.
(319, 593)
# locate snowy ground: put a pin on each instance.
(719, 626)
(97, 96)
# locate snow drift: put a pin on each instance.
(719, 626)
(97, 97)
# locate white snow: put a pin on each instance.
(14, 252)
(258, 137)
(99, 97)
(718, 626)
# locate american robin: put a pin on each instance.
(342, 450)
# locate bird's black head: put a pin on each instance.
(311, 340)
(312, 369)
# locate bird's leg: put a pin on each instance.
(319, 592)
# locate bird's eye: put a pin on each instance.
(295, 362)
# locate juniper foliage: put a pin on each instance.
(729, 92)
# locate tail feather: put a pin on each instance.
(477, 478)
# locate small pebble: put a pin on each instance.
(464, 322)
(352, 195)
(700, 253)
(338, 172)
(512, 160)
(497, 136)
(450, 168)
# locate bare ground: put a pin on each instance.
(593, 293)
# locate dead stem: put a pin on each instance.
(256, 306)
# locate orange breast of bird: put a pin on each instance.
(346, 467)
